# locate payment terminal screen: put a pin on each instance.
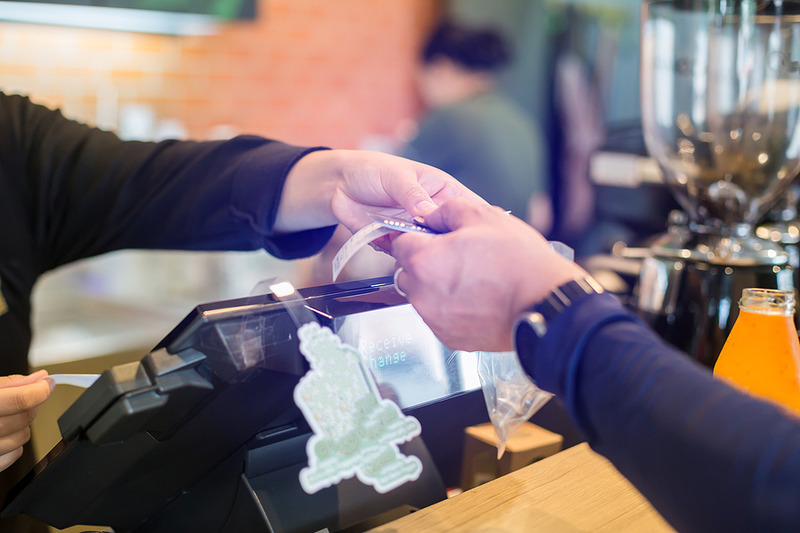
(409, 364)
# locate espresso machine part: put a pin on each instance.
(782, 226)
(692, 303)
(721, 116)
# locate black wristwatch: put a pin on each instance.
(532, 324)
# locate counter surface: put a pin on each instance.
(573, 490)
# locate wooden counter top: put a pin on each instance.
(573, 490)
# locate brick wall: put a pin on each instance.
(307, 71)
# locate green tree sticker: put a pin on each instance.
(356, 432)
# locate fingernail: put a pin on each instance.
(52, 383)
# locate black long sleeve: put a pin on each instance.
(69, 191)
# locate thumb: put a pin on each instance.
(455, 214)
(17, 380)
(415, 199)
(404, 187)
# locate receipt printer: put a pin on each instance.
(203, 434)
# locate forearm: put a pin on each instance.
(87, 192)
(708, 457)
(181, 195)
(308, 192)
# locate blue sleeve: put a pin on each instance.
(85, 192)
(706, 456)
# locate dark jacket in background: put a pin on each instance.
(489, 144)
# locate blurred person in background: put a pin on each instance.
(69, 191)
(471, 130)
(474, 132)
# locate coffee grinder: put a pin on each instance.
(721, 116)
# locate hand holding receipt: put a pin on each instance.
(400, 224)
(382, 225)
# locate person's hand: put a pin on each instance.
(20, 398)
(331, 186)
(469, 285)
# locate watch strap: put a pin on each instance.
(565, 295)
(534, 323)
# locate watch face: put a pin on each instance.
(525, 334)
(533, 325)
(538, 323)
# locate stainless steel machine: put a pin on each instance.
(721, 116)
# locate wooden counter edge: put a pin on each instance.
(573, 490)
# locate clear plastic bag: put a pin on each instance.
(511, 397)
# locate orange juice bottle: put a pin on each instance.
(762, 353)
